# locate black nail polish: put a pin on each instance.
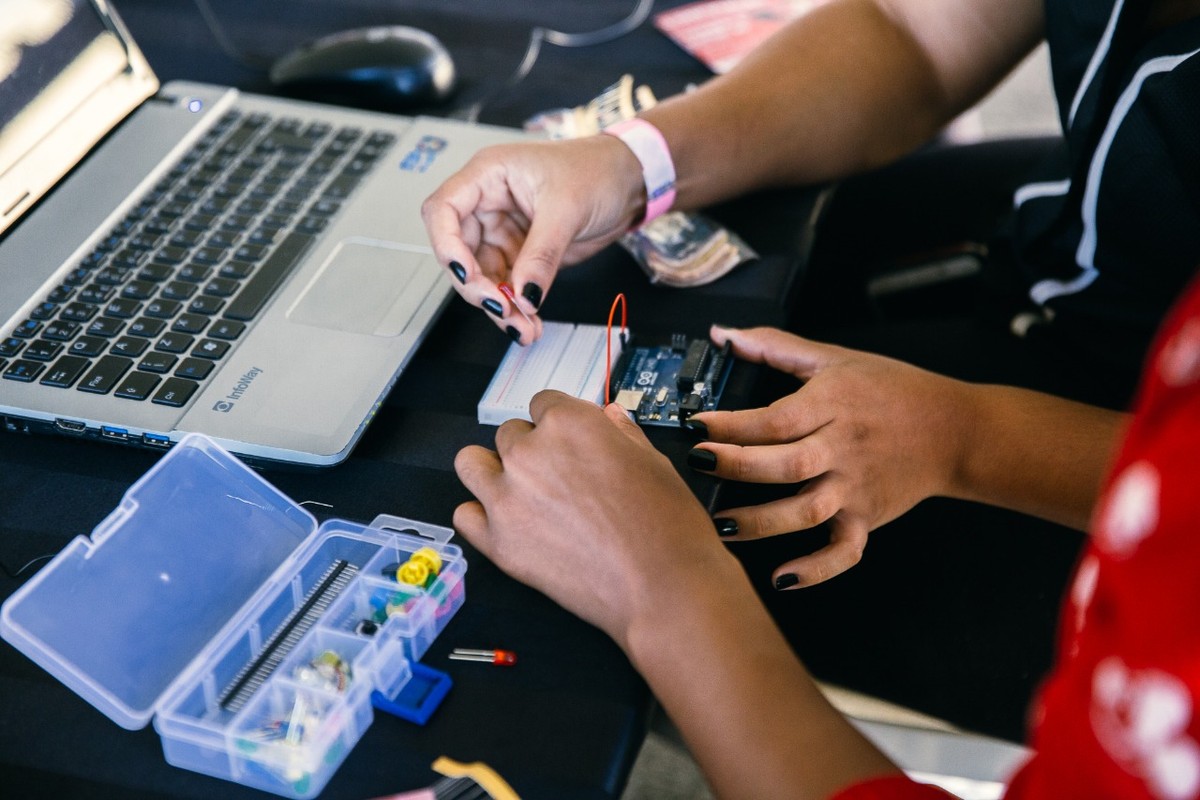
(493, 307)
(697, 427)
(702, 459)
(459, 271)
(513, 334)
(533, 293)
(786, 581)
(726, 526)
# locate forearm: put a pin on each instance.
(845, 88)
(1035, 453)
(750, 713)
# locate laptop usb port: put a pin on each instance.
(70, 426)
(156, 440)
(109, 432)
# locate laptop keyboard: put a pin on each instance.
(151, 311)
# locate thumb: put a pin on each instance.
(624, 423)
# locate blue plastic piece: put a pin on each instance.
(419, 697)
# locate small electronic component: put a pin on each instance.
(501, 658)
(316, 603)
(664, 384)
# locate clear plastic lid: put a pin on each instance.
(119, 615)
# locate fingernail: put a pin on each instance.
(702, 459)
(533, 293)
(513, 334)
(786, 581)
(459, 271)
(726, 526)
(696, 427)
(493, 307)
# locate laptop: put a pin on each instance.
(189, 258)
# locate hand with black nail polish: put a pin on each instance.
(517, 213)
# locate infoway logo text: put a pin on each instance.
(225, 405)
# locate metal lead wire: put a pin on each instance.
(464, 788)
(252, 676)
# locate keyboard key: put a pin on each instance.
(206, 305)
(237, 223)
(41, 350)
(200, 221)
(137, 386)
(123, 308)
(179, 290)
(77, 277)
(195, 368)
(11, 346)
(104, 374)
(61, 331)
(236, 271)
(226, 329)
(250, 253)
(88, 346)
(175, 392)
(28, 329)
(145, 326)
(155, 273)
(66, 371)
(113, 276)
(209, 348)
(45, 311)
(163, 309)
(189, 323)
(97, 294)
(61, 295)
(195, 273)
(155, 361)
(221, 287)
(129, 259)
(129, 346)
(79, 312)
(175, 343)
(139, 290)
(23, 371)
(105, 326)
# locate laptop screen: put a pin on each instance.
(60, 62)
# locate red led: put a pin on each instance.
(501, 658)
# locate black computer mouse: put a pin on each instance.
(392, 68)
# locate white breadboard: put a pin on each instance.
(569, 358)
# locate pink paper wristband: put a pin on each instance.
(658, 171)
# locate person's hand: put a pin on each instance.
(580, 506)
(867, 436)
(516, 212)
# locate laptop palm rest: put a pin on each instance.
(367, 287)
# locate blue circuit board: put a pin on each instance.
(664, 384)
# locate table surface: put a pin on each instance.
(568, 720)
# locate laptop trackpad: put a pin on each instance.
(367, 287)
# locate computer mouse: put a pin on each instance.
(391, 68)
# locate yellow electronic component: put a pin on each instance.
(430, 558)
(414, 573)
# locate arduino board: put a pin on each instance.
(664, 383)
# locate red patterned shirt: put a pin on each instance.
(1119, 717)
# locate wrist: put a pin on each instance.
(656, 168)
(684, 595)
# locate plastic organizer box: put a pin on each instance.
(254, 638)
